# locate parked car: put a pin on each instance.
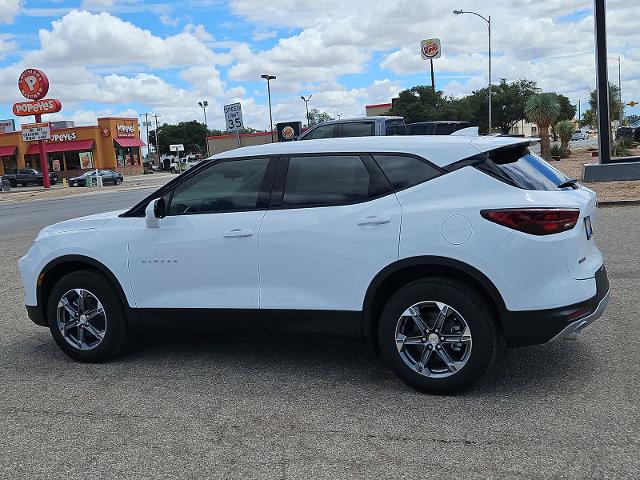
(356, 127)
(28, 176)
(579, 136)
(108, 177)
(496, 248)
(440, 127)
(632, 131)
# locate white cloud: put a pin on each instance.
(169, 21)
(9, 9)
(263, 34)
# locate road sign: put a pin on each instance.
(430, 48)
(233, 117)
(632, 104)
(36, 131)
(176, 148)
(33, 84)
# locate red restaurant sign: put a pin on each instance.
(39, 107)
(33, 84)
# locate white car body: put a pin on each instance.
(284, 261)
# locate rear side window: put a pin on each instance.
(523, 169)
(326, 180)
(421, 130)
(404, 172)
(357, 129)
(395, 127)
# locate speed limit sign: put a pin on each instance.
(233, 117)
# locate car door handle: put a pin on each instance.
(372, 221)
(238, 233)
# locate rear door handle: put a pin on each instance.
(373, 221)
(238, 233)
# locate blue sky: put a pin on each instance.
(125, 57)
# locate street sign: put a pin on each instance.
(233, 117)
(430, 48)
(36, 131)
(632, 104)
(176, 148)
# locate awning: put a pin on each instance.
(129, 142)
(73, 146)
(8, 151)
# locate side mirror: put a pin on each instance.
(154, 212)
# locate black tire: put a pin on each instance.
(469, 304)
(118, 181)
(115, 333)
(55, 180)
(173, 170)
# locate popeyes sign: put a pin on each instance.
(126, 130)
(34, 86)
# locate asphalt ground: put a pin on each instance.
(184, 404)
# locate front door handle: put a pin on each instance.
(373, 221)
(238, 233)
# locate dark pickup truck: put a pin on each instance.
(28, 176)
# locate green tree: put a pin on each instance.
(316, 117)
(565, 131)
(508, 103)
(567, 112)
(616, 108)
(192, 135)
(421, 103)
(543, 109)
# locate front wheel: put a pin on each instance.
(86, 317)
(438, 335)
(118, 181)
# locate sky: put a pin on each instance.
(127, 57)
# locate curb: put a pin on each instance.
(618, 203)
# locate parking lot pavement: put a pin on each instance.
(196, 404)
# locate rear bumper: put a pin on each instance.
(534, 327)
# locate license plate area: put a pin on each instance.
(588, 227)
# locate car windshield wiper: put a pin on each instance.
(572, 182)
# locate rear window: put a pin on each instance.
(404, 171)
(523, 169)
(357, 129)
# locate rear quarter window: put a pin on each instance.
(404, 171)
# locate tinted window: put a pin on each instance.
(421, 129)
(357, 129)
(404, 172)
(326, 180)
(223, 187)
(396, 127)
(523, 170)
(325, 131)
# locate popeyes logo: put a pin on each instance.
(38, 107)
(33, 84)
(63, 137)
(126, 130)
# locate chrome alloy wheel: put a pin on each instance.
(433, 339)
(81, 318)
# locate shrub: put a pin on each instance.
(559, 151)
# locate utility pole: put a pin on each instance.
(155, 115)
(146, 124)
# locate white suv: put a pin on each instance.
(439, 249)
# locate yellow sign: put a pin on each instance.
(632, 104)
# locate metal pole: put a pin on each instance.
(620, 89)
(433, 81)
(604, 121)
(270, 116)
(44, 166)
(157, 143)
(490, 123)
(146, 124)
(306, 104)
(206, 134)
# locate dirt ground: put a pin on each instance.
(607, 191)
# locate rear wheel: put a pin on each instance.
(438, 335)
(118, 181)
(86, 317)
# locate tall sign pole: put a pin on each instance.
(34, 86)
(430, 49)
(604, 121)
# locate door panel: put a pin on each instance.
(196, 261)
(324, 258)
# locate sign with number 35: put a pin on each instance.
(233, 117)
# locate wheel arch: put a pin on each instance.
(394, 276)
(61, 266)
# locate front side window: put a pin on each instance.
(326, 180)
(404, 172)
(324, 131)
(223, 187)
(357, 129)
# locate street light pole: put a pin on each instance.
(619, 60)
(306, 104)
(268, 78)
(488, 20)
(204, 104)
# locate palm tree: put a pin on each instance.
(565, 131)
(542, 109)
(615, 105)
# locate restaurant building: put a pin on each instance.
(114, 143)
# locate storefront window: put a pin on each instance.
(127, 155)
(32, 161)
(9, 163)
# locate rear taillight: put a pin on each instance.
(536, 221)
